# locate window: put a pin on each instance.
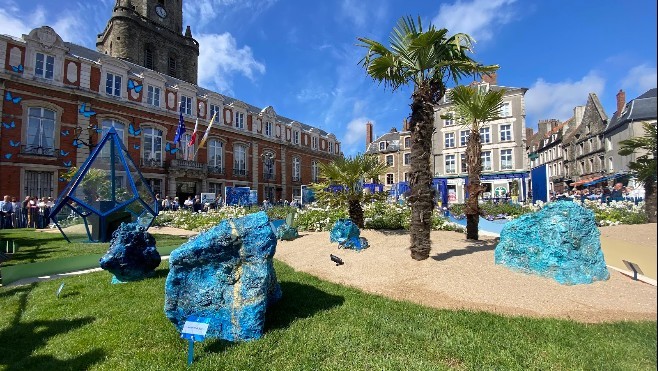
(118, 127)
(268, 129)
(148, 58)
(407, 142)
(389, 160)
(331, 147)
(239, 120)
(295, 137)
(153, 96)
(382, 146)
(155, 184)
(268, 165)
(505, 132)
(506, 110)
(463, 137)
(186, 104)
(315, 171)
(450, 140)
(152, 145)
(240, 160)
(186, 152)
(581, 148)
(216, 155)
(389, 178)
(463, 163)
(406, 177)
(173, 68)
(214, 111)
(449, 120)
(506, 159)
(407, 158)
(314, 142)
(450, 164)
(485, 137)
(44, 66)
(39, 183)
(296, 169)
(486, 160)
(113, 85)
(611, 167)
(215, 188)
(40, 132)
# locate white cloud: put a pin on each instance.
(546, 100)
(311, 94)
(640, 78)
(354, 139)
(201, 13)
(476, 18)
(360, 14)
(220, 58)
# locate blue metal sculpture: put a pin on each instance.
(107, 189)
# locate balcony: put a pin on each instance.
(217, 170)
(240, 173)
(151, 162)
(188, 165)
(39, 151)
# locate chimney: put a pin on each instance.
(621, 101)
(529, 133)
(490, 78)
(405, 125)
(578, 113)
(368, 133)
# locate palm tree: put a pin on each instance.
(475, 108)
(346, 175)
(644, 165)
(428, 59)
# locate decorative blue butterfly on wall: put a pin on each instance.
(132, 85)
(63, 153)
(14, 144)
(77, 143)
(169, 148)
(136, 146)
(133, 131)
(18, 68)
(86, 112)
(9, 125)
(67, 163)
(12, 98)
(65, 132)
(62, 179)
(8, 156)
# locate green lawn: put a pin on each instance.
(316, 326)
(36, 246)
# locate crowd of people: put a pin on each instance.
(604, 194)
(32, 212)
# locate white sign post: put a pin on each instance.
(194, 329)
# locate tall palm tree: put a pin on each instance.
(346, 175)
(644, 165)
(475, 108)
(428, 59)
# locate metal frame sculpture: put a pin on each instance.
(98, 196)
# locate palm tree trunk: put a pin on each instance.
(473, 157)
(420, 180)
(356, 212)
(650, 200)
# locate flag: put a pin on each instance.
(181, 127)
(205, 135)
(193, 138)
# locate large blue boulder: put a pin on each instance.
(346, 233)
(132, 254)
(225, 274)
(560, 241)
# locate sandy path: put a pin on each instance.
(462, 275)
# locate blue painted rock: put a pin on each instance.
(346, 233)
(560, 241)
(132, 254)
(225, 274)
(286, 232)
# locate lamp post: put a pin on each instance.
(89, 144)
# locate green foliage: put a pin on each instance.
(475, 108)
(319, 218)
(644, 165)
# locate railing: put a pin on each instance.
(151, 162)
(240, 172)
(187, 164)
(39, 151)
(215, 170)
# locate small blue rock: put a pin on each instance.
(225, 274)
(132, 254)
(346, 233)
(560, 241)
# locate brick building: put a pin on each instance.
(60, 98)
(394, 150)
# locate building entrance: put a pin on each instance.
(185, 190)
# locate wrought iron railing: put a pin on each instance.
(40, 151)
(151, 162)
(240, 172)
(187, 164)
(216, 170)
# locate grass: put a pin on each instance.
(36, 246)
(316, 326)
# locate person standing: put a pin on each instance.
(5, 212)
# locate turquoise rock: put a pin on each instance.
(560, 241)
(346, 233)
(225, 274)
(132, 254)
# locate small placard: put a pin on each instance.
(633, 267)
(195, 328)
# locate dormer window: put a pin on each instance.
(268, 129)
(186, 105)
(382, 146)
(314, 142)
(113, 84)
(295, 137)
(331, 147)
(239, 120)
(44, 66)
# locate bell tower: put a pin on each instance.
(150, 33)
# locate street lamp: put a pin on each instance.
(76, 141)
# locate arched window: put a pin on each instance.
(216, 155)
(118, 127)
(40, 131)
(240, 160)
(296, 169)
(315, 171)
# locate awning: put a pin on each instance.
(604, 178)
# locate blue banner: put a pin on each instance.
(237, 196)
(539, 181)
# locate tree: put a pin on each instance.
(644, 166)
(475, 109)
(343, 183)
(428, 59)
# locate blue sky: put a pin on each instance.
(300, 56)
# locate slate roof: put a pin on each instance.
(389, 137)
(639, 109)
(92, 55)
